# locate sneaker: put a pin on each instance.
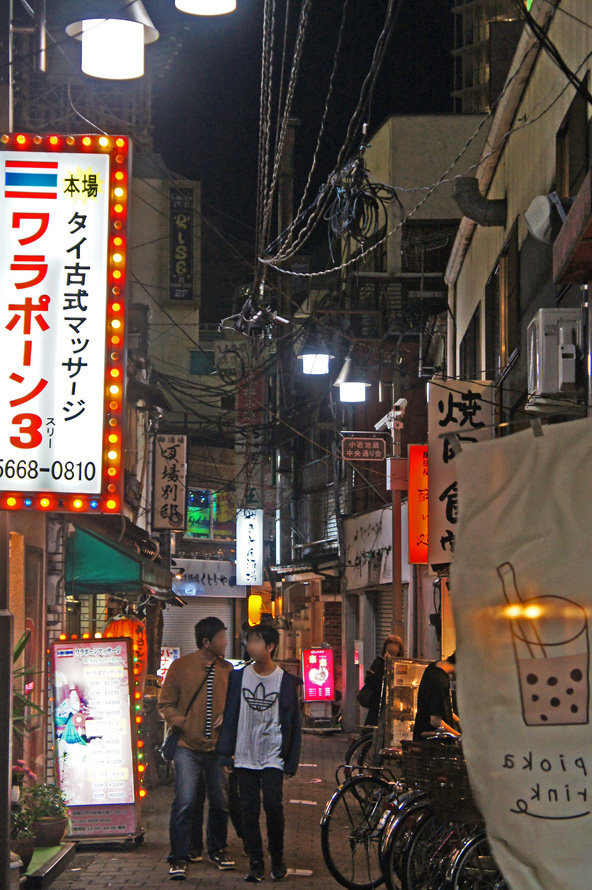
(222, 860)
(195, 856)
(178, 870)
(256, 873)
(279, 871)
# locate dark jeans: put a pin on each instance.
(189, 765)
(196, 837)
(252, 783)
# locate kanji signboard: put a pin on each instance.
(63, 214)
(249, 547)
(463, 407)
(317, 674)
(170, 472)
(363, 448)
(418, 504)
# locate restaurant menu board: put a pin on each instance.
(94, 734)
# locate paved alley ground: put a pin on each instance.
(145, 866)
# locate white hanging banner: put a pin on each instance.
(249, 547)
(463, 407)
(522, 601)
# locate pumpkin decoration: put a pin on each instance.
(132, 627)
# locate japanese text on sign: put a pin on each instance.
(463, 408)
(181, 237)
(418, 504)
(170, 471)
(54, 211)
(249, 547)
(363, 448)
(318, 675)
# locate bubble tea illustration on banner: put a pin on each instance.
(551, 647)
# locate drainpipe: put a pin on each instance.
(476, 206)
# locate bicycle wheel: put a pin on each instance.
(350, 833)
(426, 855)
(475, 868)
(357, 756)
(396, 837)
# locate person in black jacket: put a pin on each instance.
(261, 728)
(392, 646)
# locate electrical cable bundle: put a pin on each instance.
(358, 207)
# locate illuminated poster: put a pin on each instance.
(63, 215)
(249, 547)
(317, 672)
(418, 504)
(94, 733)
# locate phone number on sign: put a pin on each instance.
(68, 471)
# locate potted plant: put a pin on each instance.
(50, 813)
(22, 834)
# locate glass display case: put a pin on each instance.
(402, 677)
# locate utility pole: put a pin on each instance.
(398, 483)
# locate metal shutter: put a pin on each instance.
(179, 623)
(384, 616)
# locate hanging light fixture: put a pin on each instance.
(206, 7)
(315, 354)
(351, 383)
(113, 36)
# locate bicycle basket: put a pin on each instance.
(416, 758)
(450, 789)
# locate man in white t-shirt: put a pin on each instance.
(261, 727)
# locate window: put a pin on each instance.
(502, 309)
(202, 362)
(210, 514)
(470, 349)
(572, 148)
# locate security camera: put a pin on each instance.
(400, 406)
(384, 423)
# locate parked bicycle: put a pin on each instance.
(421, 833)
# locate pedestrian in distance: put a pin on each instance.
(192, 703)
(434, 702)
(261, 728)
(393, 646)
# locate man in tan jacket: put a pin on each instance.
(198, 729)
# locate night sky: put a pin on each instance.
(206, 106)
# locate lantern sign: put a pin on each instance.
(170, 480)
(134, 629)
(463, 408)
(249, 547)
(418, 504)
(317, 672)
(63, 212)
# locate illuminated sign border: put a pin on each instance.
(119, 150)
(418, 456)
(318, 650)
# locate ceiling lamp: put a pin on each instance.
(206, 7)
(113, 35)
(351, 383)
(315, 354)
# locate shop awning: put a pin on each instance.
(95, 565)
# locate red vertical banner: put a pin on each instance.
(418, 504)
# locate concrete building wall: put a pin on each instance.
(527, 165)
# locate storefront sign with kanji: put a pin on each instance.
(418, 504)
(170, 474)
(463, 408)
(249, 547)
(317, 674)
(63, 211)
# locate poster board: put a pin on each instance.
(94, 724)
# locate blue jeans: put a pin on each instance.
(189, 765)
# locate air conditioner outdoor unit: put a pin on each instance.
(554, 352)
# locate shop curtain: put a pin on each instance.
(522, 597)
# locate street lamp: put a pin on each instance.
(315, 354)
(351, 383)
(206, 7)
(113, 36)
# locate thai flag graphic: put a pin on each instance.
(31, 179)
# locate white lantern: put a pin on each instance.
(351, 383)
(206, 7)
(113, 37)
